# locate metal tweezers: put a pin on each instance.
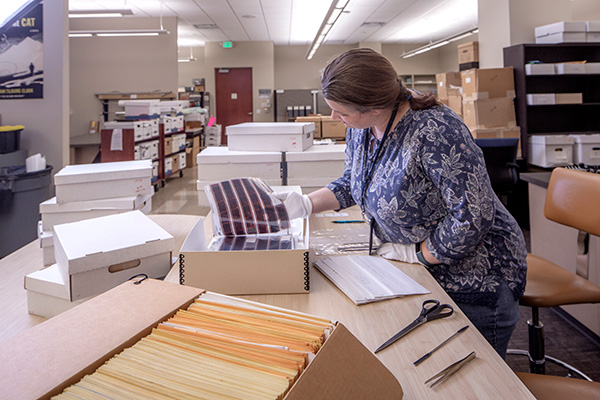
(447, 372)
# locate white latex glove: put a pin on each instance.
(399, 252)
(297, 205)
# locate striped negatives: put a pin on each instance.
(243, 206)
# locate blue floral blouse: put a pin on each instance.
(430, 182)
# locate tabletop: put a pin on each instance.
(488, 376)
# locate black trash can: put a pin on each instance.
(21, 193)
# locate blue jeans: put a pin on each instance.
(496, 323)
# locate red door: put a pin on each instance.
(233, 87)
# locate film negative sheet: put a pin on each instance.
(245, 207)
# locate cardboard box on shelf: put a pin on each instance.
(540, 69)
(489, 113)
(468, 52)
(569, 98)
(102, 327)
(455, 104)
(502, 132)
(448, 84)
(270, 136)
(103, 180)
(332, 128)
(570, 68)
(487, 83)
(246, 271)
(549, 151)
(97, 254)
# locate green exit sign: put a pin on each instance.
(227, 45)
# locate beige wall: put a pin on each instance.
(256, 55)
(46, 120)
(193, 69)
(118, 64)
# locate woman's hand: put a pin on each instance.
(399, 252)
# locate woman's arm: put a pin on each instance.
(323, 200)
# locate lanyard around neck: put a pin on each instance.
(369, 176)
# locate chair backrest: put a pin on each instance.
(573, 199)
(500, 156)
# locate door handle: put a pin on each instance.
(250, 113)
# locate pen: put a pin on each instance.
(348, 221)
(426, 356)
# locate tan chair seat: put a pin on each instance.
(548, 387)
(549, 285)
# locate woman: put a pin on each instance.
(417, 174)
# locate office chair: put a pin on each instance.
(573, 199)
(500, 156)
(548, 387)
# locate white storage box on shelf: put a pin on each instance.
(569, 68)
(540, 69)
(550, 150)
(592, 68)
(103, 180)
(54, 213)
(246, 271)
(139, 130)
(270, 136)
(173, 106)
(220, 163)
(561, 32)
(586, 149)
(47, 294)
(541, 99)
(46, 239)
(134, 108)
(97, 254)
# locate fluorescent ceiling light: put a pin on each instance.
(111, 33)
(336, 9)
(439, 43)
(99, 13)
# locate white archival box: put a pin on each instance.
(316, 161)
(221, 163)
(560, 32)
(270, 136)
(550, 150)
(203, 200)
(47, 294)
(586, 149)
(97, 254)
(46, 239)
(140, 107)
(103, 180)
(54, 213)
(246, 271)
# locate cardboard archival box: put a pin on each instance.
(455, 104)
(54, 213)
(447, 84)
(316, 161)
(97, 254)
(245, 271)
(489, 113)
(220, 163)
(468, 52)
(42, 361)
(570, 68)
(332, 128)
(569, 98)
(487, 83)
(270, 136)
(47, 295)
(103, 180)
(550, 150)
(315, 119)
(586, 149)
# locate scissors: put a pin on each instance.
(431, 310)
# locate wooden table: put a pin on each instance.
(488, 376)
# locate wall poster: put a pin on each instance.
(22, 53)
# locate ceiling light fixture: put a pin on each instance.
(336, 9)
(188, 59)
(439, 43)
(99, 13)
(110, 33)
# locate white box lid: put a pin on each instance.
(562, 26)
(47, 281)
(592, 26)
(270, 128)
(318, 153)
(593, 138)
(103, 171)
(122, 124)
(550, 139)
(222, 155)
(117, 203)
(100, 242)
(149, 102)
